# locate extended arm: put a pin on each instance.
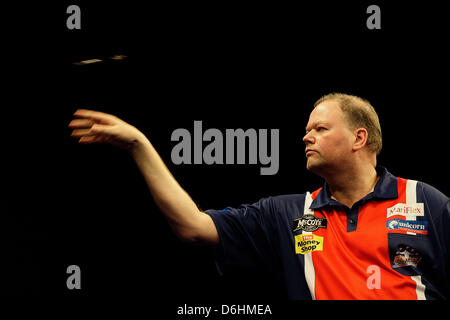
(183, 215)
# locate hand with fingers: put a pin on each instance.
(98, 127)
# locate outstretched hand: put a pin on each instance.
(98, 127)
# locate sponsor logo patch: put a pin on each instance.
(407, 210)
(309, 223)
(406, 256)
(305, 243)
(420, 227)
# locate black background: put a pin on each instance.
(228, 64)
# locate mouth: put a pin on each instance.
(310, 152)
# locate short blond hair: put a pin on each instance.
(359, 113)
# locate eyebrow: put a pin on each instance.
(315, 124)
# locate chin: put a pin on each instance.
(316, 167)
(312, 165)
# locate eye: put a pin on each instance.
(321, 129)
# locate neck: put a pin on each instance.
(350, 185)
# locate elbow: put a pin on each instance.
(200, 230)
(197, 238)
(188, 236)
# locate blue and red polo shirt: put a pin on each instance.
(392, 244)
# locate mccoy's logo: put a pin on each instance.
(309, 223)
(402, 209)
(305, 243)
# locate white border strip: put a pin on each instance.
(411, 198)
(310, 273)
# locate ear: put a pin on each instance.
(361, 136)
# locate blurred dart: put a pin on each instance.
(116, 57)
(89, 61)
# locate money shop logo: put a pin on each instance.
(306, 243)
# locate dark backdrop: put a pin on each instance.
(229, 65)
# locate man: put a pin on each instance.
(364, 235)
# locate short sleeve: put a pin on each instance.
(437, 205)
(247, 236)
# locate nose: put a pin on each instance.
(309, 138)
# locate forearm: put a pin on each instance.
(179, 209)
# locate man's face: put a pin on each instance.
(328, 139)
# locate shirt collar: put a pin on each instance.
(386, 188)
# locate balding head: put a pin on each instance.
(358, 113)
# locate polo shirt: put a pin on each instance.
(392, 244)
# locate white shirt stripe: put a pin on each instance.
(310, 273)
(411, 198)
